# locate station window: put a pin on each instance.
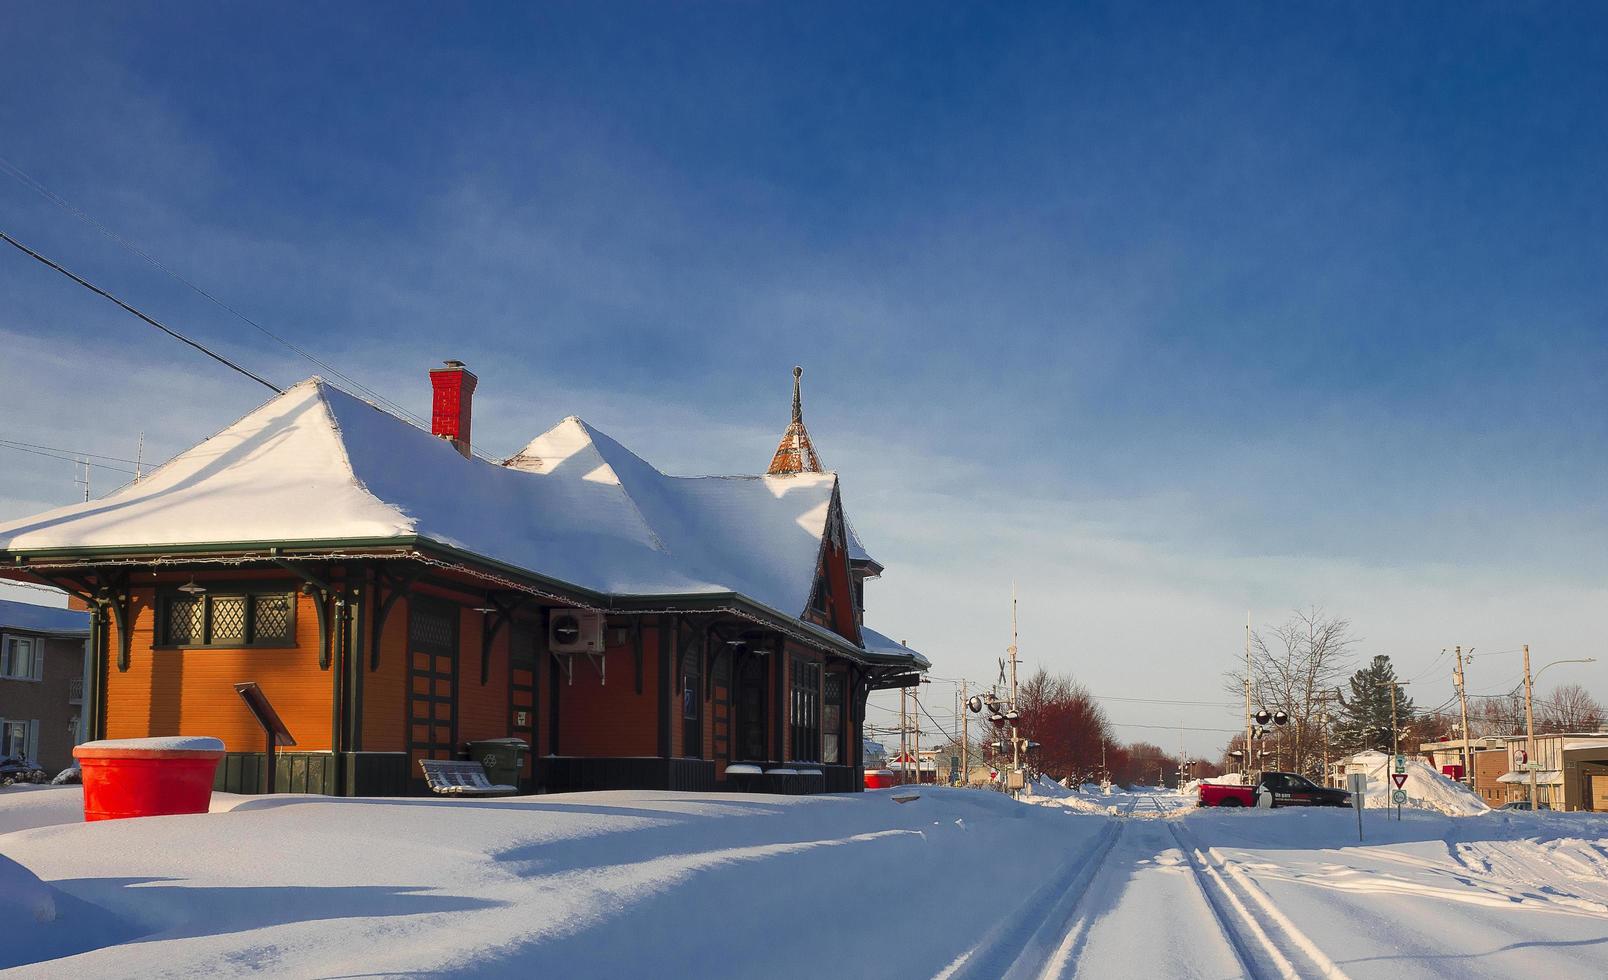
(237, 620)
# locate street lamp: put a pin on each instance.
(1529, 713)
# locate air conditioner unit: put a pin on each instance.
(575, 631)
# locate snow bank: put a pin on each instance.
(1427, 787)
(23, 807)
(584, 884)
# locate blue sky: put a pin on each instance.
(1165, 313)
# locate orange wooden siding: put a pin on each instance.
(383, 727)
(612, 720)
(482, 708)
(191, 692)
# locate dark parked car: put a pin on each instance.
(1287, 789)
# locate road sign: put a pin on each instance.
(1398, 797)
(1398, 778)
(1401, 763)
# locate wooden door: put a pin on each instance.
(692, 698)
(751, 704)
(522, 692)
(720, 705)
(1599, 793)
(432, 683)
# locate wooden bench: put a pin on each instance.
(458, 777)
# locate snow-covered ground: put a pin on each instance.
(957, 883)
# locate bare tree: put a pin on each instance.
(1569, 708)
(1501, 714)
(1294, 668)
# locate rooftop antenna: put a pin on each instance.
(85, 481)
(139, 458)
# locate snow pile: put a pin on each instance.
(1427, 787)
(1048, 788)
(622, 883)
(24, 899)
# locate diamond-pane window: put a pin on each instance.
(272, 614)
(430, 630)
(185, 621)
(228, 619)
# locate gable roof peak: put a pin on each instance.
(795, 453)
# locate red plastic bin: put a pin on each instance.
(880, 779)
(147, 777)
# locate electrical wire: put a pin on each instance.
(148, 319)
(20, 447)
(31, 183)
(350, 384)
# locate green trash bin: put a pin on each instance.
(502, 758)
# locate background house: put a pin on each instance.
(42, 651)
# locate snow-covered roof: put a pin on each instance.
(1543, 777)
(316, 465)
(880, 645)
(42, 619)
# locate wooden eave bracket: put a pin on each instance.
(495, 621)
(321, 591)
(398, 586)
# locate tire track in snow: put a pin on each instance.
(1095, 908)
(1266, 941)
(1026, 938)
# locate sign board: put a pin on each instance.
(275, 730)
(1401, 763)
(1357, 784)
(1013, 779)
(265, 714)
(1398, 797)
(1398, 778)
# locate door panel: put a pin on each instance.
(432, 683)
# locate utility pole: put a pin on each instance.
(915, 724)
(904, 745)
(965, 736)
(1395, 726)
(1016, 740)
(1462, 697)
(1529, 727)
(1247, 694)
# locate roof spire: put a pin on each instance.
(795, 454)
(798, 404)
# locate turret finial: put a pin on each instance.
(798, 403)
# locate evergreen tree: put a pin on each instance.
(1365, 715)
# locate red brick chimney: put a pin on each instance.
(451, 409)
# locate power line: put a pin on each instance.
(14, 171)
(34, 445)
(153, 322)
(65, 459)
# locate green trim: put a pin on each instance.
(275, 551)
(273, 548)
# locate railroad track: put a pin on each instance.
(1264, 939)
